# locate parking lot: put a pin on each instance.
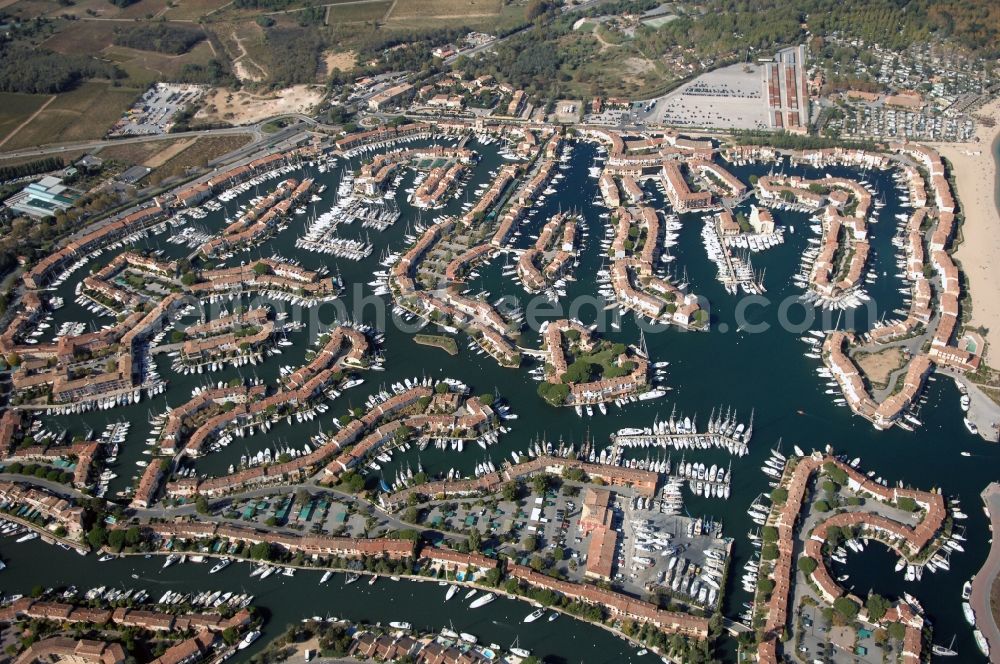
(731, 97)
(320, 513)
(655, 554)
(157, 109)
(677, 556)
(817, 639)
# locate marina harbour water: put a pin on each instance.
(764, 371)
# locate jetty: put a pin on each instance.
(983, 582)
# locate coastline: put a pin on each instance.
(976, 170)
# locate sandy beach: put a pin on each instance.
(975, 172)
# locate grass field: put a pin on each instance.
(15, 108)
(145, 67)
(447, 344)
(84, 113)
(199, 154)
(135, 153)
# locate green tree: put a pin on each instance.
(876, 606)
(97, 536)
(540, 483)
(133, 536)
(807, 565)
(116, 539)
(846, 607)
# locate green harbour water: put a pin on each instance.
(762, 371)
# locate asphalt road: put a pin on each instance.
(93, 145)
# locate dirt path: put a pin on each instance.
(163, 156)
(30, 118)
(241, 68)
(605, 45)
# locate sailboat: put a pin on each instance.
(943, 651)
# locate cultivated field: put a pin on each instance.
(82, 38)
(81, 114)
(15, 108)
(483, 15)
(369, 11)
(84, 9)
(190, 10)
(445, 8)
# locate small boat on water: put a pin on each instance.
(945, 651)
(482, 601)
(248, 639)
(534, 615)
(984, 647)
(219, 566)
(451, 592)
(326, 576)
(400, 625)
(970, 615)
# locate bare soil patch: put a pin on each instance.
(879, 366)
(241, 107)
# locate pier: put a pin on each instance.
(986, 577)
(680, 441)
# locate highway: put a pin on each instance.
(86, 146)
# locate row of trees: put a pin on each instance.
(30, 168)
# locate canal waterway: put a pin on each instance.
(736, 364)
